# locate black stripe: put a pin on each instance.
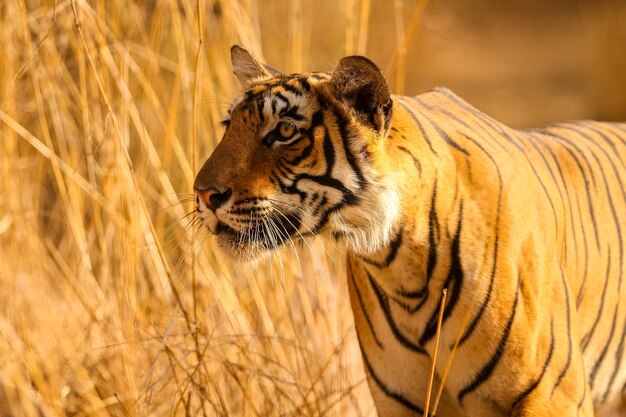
(496, 244)
(609, 128)
(292, 112)
(452, 116)
(619, 353)
(433, 235)
(316, 120)
(503, 134)
(620, 182)
(415, 294)
(582, 400)
(419, 125)
(288, 87)
(323, 219)
(587, 337)
(287, 189)
(535, 384)
(497, 127)
(304, 82)
(417, 163)
(348, 196)
(342, 124)
(394, 246)
(454, 279)
(604, 351)
(281, 98)
(572, 223)
(250, 200)
(594, 371)
(557, 184)
(420, 295)
(284, 169)
(385, 389)
(479, 118)
(574, 146)
(320, 76)
(581, 293)
(260, 105)
(329, 153)
(445, 135)
(605, 138)
(362, 305)
(483, 307)
(543, 186)
(383, 301)
(602, 356)
(321, 204)
(586, 180)
(489, 367)
(387, 113)
(248, 210)
(569, 336)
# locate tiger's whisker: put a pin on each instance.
(178, 203)
(303, 238)
(285, 236)
(291, 242)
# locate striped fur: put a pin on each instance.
(524, 228)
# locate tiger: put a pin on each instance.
(522, 228)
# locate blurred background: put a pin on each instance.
(112, 301)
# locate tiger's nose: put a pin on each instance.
(213, 197)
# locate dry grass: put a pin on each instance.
(106, 307)
(111, 302)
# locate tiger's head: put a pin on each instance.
(301, 155)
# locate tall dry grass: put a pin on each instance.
(111, 301)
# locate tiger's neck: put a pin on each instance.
(422, 256)
(423, 250)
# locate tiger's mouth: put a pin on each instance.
(258, 235)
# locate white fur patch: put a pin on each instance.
(369, 225)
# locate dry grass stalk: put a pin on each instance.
(403, 37)
(444, 377)
(434, 360)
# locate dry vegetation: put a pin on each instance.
(111, 301)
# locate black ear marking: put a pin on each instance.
(247, 69)
(358, 83)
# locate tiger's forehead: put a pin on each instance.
(292, 87)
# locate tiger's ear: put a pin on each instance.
(247, 69)
(358, 83)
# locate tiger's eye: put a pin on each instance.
(286, 129)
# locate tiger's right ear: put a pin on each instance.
(358, 83)
(247, 69)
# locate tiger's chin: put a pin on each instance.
(243, 253)
(252, 245)
(240, 247)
